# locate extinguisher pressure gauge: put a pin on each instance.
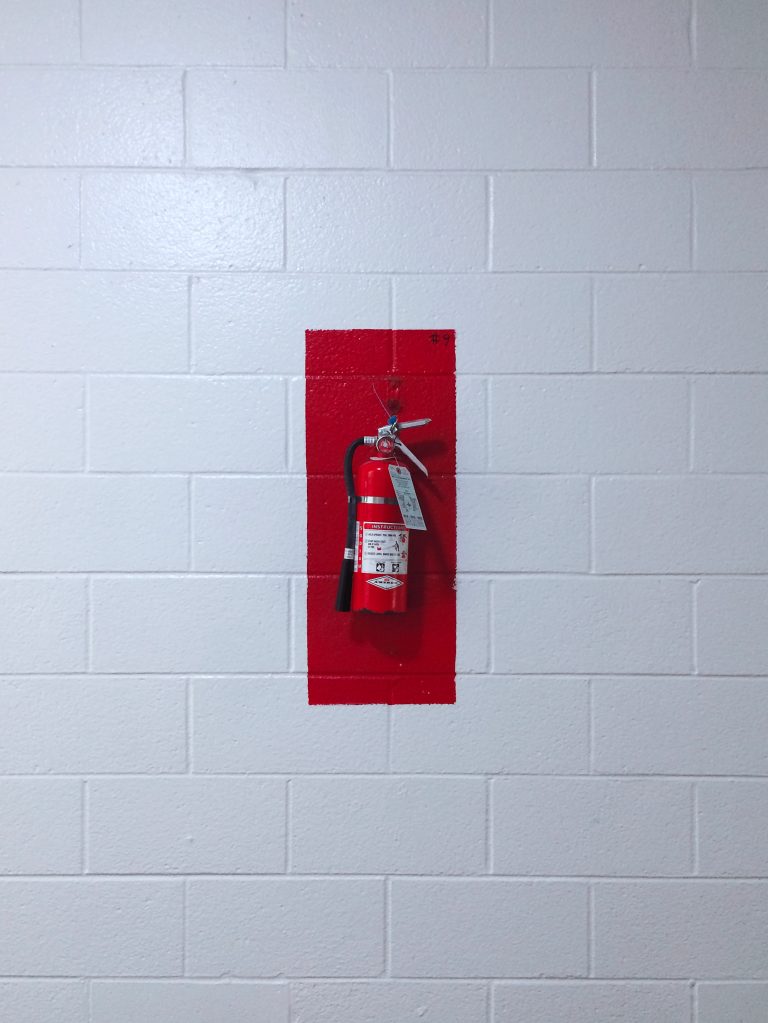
(385, 446)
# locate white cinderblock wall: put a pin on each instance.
(580, 188)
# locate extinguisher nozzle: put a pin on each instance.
(344, 592)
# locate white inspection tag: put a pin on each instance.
(406, 497)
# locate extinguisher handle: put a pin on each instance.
(413, 422)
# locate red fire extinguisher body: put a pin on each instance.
(380, 580)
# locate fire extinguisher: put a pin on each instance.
(374, 570)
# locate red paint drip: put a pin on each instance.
(365, 658)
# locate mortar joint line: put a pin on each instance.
(592, 115)
(288, 826)
(489, 864)
(89, 624)
(80, 181)
(390, 119)
(490, 596)
(190, 523)
(184, 893)
(286, 32)
(292, 636)
(189, 720)
(489, 222)
(184, 154)
(80, 30)
(387, 927)
(84, 827)
(487, 397)
(695, 837)
(693, 241)
(85, 426)
(288, 413)
(592, 324)
(693, 33)
(489, 33)
(591, 513)
(191, 355)
(284, 264)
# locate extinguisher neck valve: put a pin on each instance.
(388, 441)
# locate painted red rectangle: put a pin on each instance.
(359, 658)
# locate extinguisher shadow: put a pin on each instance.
(436, 550)
(396, 636)
(401, 641)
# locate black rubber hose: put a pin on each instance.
(344, 591)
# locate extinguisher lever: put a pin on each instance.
(413, 422)
(409, 454)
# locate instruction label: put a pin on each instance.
(383, 548)
(406, 497)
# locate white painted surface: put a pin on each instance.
(494, 928)
(269, 927)
(620, 1002)
(388, 825)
